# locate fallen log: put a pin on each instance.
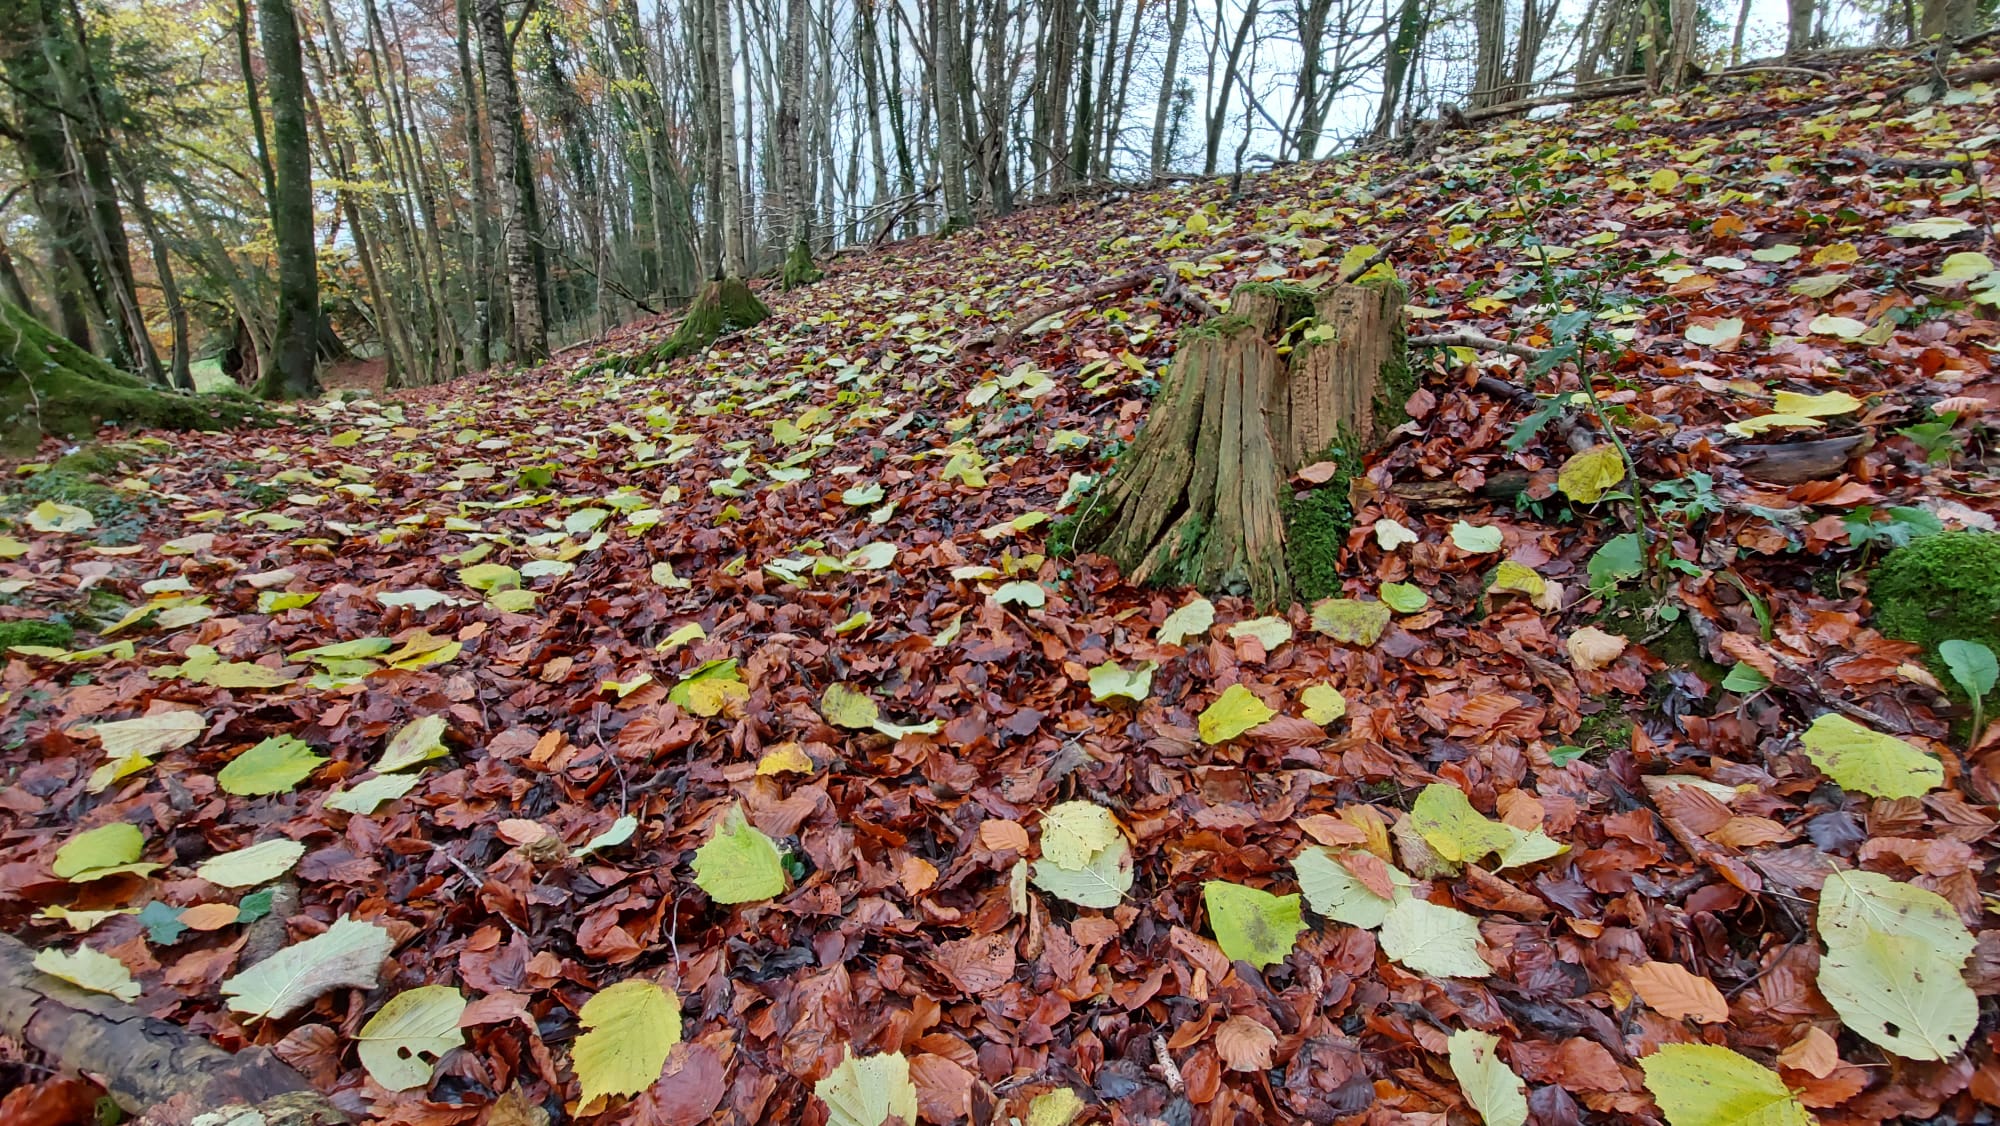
(151, 1067)
(1791, 463)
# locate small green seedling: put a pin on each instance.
(1972, 665)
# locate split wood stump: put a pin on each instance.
(1284, 378)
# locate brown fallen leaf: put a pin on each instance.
(210, 916)
(1001, 836)
(1678, 993)
(1814, 1053)
(979, 964)
(1244, 1044)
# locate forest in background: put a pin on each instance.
(251, 191)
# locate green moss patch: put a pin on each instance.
(1316, 526)
(1940, 588)
(56, 635)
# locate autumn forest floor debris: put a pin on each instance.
(494, 711)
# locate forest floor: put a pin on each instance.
(579, 614)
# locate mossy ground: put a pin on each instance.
(1941, 588)
(1316, 526)
(76, 480)
(53, 634)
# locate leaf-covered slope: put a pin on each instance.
(514, 614)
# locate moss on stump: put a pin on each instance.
(1201, 497)
(721, 306)
(1940, 588)
(799, 269)
(49, 386)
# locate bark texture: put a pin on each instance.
(150, 1066)
(1200, 497)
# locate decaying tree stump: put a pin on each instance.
(1284, 378)
(722, 305)
(151, 1067)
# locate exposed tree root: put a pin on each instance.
(721, 306)
(150, 1066)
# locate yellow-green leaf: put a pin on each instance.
(347, 954)
(1429, 939)
(416, 1023)
(1323, 703)
(490, 577)
(1901, 994)
(1403, 598)
(1815, 406)
(845, 707)
(1476, 539)
(90, 969)
(1707, 1085)
(739, 864)
(1058, 1107)
(363, 798)
(1101, 883)
(869, 1090)
(1270, 632)
(1517, 578)
(1444, 817)
(1191, 620)
(273, 766)
(1868, 761)
(1252, 925)
(1331, 890)
(98, 850)
(632, 1026)
(66, 519)
(416, 742)
(247, 867)
(1236, 711)
(1076, 831)
(1112, 679)
(1855, 904)
(1350, 620)
(1587, 476)
(1489, 1084)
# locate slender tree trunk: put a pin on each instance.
(289, 367)
(1405, 34)
(734, 260)
(478, 283)
(1176, 27)
(944, 98)
(1312, 34)
(525, 297)
(1799, 29)
(1218, 115)
(871, 82)
(795, 165)
(1489, 73)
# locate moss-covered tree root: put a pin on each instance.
(1200, 497)
(49, 386)
(799, 269)
(721, 306)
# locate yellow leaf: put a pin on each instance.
(1236, 711)
(870, 1090)
(1869, 762)
(739, 864)
(1075, 831)
(1815, 406)
(90, 969)
(632, 1026)
(1517, 578)
(844, 707)
(1323, 703)
(1587, 476)
(785, 758)
(1706, 1085)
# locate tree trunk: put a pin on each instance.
(1176, 27)
(289, 365)
(529, 331)
(1799, 29)
(721, 306)
(794, 166)
(1949, 19)
(478, 282)
(1489, 74)
(150, 1066)
(730, 189)
(1218, 114)
(1198, 499)
(1405, 37)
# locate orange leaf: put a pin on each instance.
(1815, 1053)
(1245, 1045)
(1000, 836)
(1330, 830)
(1749, 832)
(1676, 993)
(209, 916)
